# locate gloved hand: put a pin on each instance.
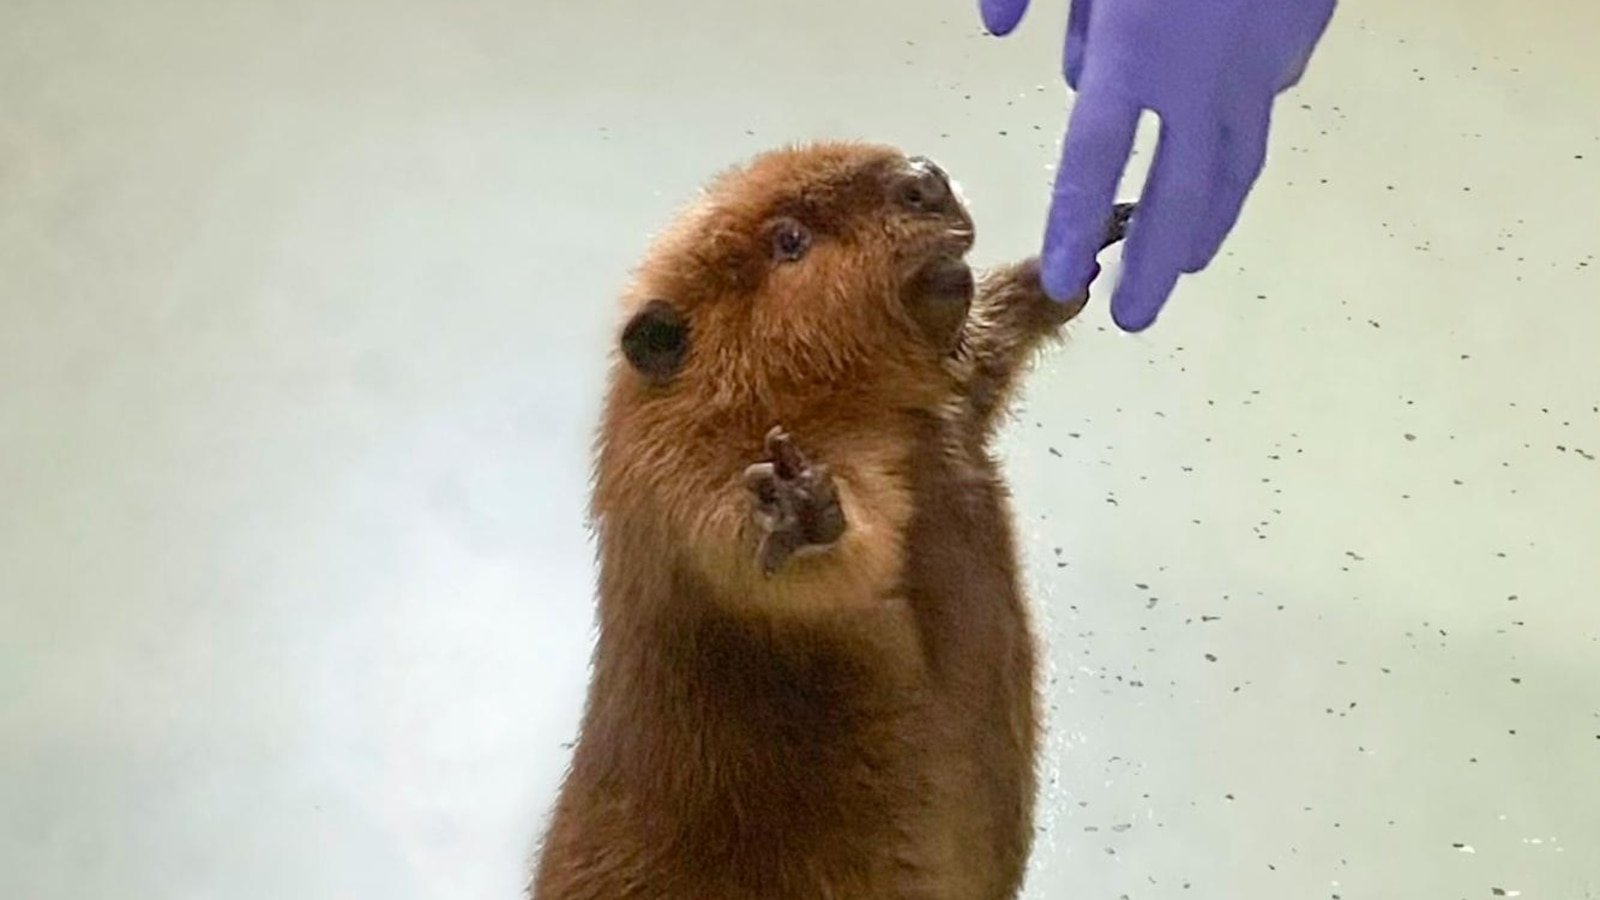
(1210, 69)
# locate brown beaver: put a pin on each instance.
(814, 676)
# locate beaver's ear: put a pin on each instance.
(656, 341)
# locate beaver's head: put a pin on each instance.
(807, 270)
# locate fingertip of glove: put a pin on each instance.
(1061, 283)
(1134, 315)
(1000, 17)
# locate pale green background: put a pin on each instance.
(303, 314)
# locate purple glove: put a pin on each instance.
(1210, 69)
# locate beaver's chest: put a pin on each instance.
(964, 587)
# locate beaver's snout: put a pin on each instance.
(924, 189)
(938, 297)
(945, 276)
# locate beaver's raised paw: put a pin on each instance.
(797, 505)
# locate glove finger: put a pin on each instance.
(1002, 16)
(1099, 139)
(1162, 233)
(1241, 155)
(1077, 40)
(1317, 14)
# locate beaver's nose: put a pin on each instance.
(924, 188)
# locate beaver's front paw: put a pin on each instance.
(797, 505)
(1017, 290)
(1019, 286)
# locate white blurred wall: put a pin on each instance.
(304, 308)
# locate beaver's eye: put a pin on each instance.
(790, 240)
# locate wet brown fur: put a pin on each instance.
(860, 723)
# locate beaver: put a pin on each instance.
(814, 675)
